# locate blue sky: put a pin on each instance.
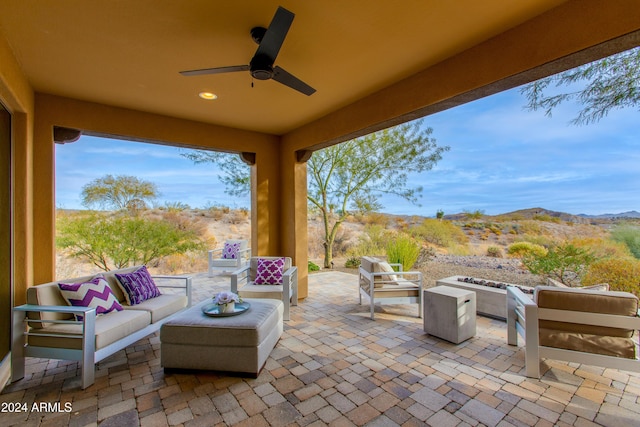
(502, 158)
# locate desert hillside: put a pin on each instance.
(461, 242)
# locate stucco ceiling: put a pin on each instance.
(128, 53)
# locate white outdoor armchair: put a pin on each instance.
(575, 325)
(233, 255)
(243, 283)
(382, 285)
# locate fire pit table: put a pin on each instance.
(491, 297)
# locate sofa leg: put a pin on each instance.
(17, 346)
(88, 374)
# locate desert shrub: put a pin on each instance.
(403, 250)
(312, 266)
(352, 262)
(603, 248)
(494, 251)
(630, 236)
(565, 263)
(547, 218)
(236, 216)
(120, 241)
(217, 212)
(372, 242)
(175, 206)
(530, 227)
(477, 214)
(342, 242)
(440, 233)
(375, 218)
(520, 249)
(457, 249)
(540, 240)
(426, 253)
(620, 274)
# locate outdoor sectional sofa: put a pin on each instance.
(48, 326)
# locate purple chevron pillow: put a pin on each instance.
(269, 271)
(94, 293)
(138, 286)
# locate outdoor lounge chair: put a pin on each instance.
(576, 325)
(233, 255)
(268, 277)
(381, 284)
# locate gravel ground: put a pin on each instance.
(507, 270)
(496, 269)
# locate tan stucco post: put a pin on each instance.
(294, 212)
(265, 204)
(44, 209)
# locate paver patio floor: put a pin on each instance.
(335, 366)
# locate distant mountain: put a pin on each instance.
(537, 212)
(629, 214)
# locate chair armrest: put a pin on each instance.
(398, 273)
(53, 309)
(88, 316)
(187, 285)
(213, 251)
(245, 252)
(397, 264)
(522, 317)
(290, 275)
(238, 276)
(289, 283)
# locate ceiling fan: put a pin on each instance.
(261, 67)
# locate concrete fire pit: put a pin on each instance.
(490, 301)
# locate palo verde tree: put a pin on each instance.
(120, 192)
(351, 177)
(603, 85)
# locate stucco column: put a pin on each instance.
(44, 209)
(266, 204)
(294, 214)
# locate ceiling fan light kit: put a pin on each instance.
(261, 66)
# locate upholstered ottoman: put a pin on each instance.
(239, 343)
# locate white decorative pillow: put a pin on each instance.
(384, 267)
(604, 287)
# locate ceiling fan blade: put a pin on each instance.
(275, 35)
(218, 70)
(292, 81)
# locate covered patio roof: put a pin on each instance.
(112, 68)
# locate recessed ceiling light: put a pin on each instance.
(208, 96)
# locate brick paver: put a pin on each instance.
(335, 366)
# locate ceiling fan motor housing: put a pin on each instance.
(261, 68)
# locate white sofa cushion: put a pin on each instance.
(110, 328)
